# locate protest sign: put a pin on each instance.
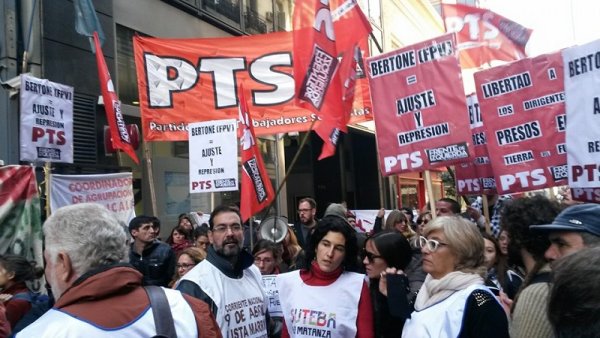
(582, 91)
(46, 121)
(523, 108)
(114, 191)
(269, 284)
(419, 104)
(477, 175)
(213, 156)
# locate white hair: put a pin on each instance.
(88, 233)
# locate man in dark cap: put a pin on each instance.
(575, 228)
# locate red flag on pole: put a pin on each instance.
(119, 135)
(256, 189)
(484, 36)
(319, 86)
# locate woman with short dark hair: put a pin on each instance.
(339, 298)
(14, 272)
(385, 250)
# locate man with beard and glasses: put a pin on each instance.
(227, 280)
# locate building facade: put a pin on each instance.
(39, 37)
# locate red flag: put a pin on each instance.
(484, 36)
(256, 190)
(118, 131)
(319, 86)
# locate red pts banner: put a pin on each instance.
(484, 36)
(256, 189)
(119, 135)
(191, 80)
(419, 104)
(524, 112)
(477, 175)
(318, 72)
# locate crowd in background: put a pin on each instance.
(429, 274)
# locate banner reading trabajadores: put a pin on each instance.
(114, 191)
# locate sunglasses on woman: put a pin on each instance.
(431, 244)
(369, 255)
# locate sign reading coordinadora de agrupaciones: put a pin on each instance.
(46, 121)
(114, 191)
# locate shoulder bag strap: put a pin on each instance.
(161, 310)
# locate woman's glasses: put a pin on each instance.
(431, 244)
(371, 256)
(184, 266)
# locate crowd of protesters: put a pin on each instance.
(437, 273)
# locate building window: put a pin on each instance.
(126, 75)
(258, 17)
(224, 9)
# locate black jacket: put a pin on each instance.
(157, 263)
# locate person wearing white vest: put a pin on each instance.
(453, 301)
(96, 294)
(228, 281)
(324, 298)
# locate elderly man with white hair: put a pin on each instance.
(97, 293)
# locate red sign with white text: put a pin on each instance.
(477, 175)
(419, 104)
(182, 81)
(524, 112)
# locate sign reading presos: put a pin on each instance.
(419, 103)
(582, 90)
(213, 156)
(46, 121)
(475, 176)
(183, 81)
(524, 112)
(114, 191)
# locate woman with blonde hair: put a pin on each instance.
(453, 301)
(186, 260)
(292, 255)
(397, 221)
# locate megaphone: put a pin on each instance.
(273, 228)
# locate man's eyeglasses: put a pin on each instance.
(369, 255)
(184, 266)
(223, 228)
(431, 244)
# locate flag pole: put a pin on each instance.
(150, 179)
(289, 171)
(486, 213)
(429, 188)
(47, 170)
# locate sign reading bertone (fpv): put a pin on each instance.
(213, 156)
(46, 121)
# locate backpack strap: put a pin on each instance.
(161, 310)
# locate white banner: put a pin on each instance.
(114, 191)
(365, 219)
(270, 287)
(213, 156)
(46, 121)
(582, 91)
